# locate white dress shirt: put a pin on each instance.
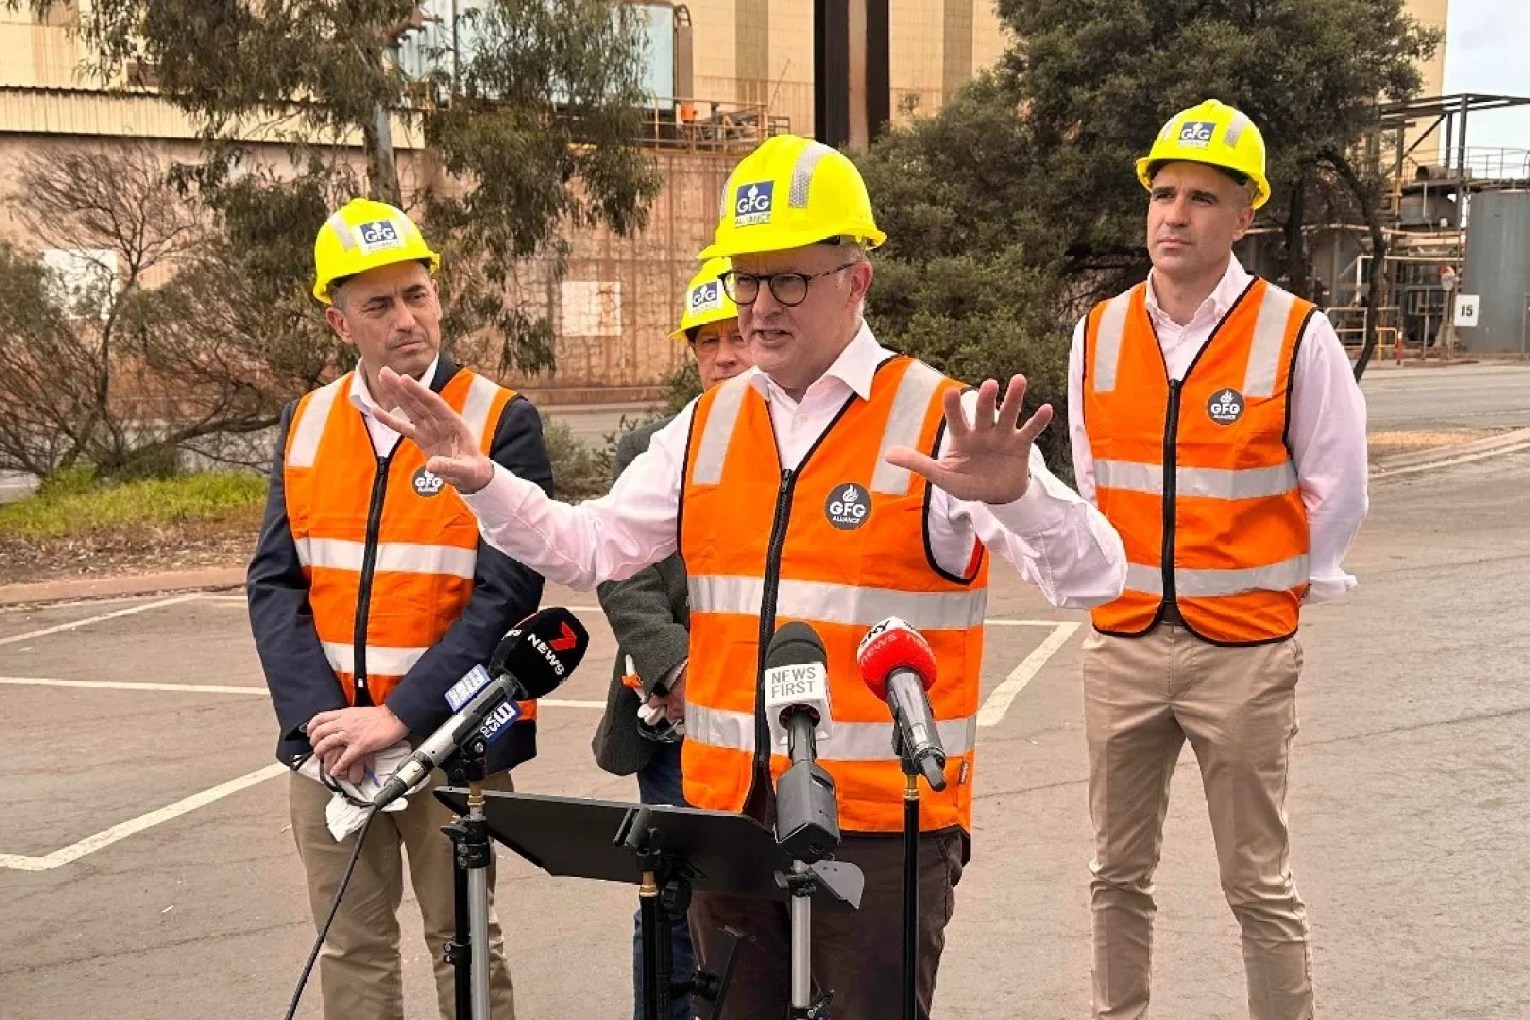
(1327, 426)
(1057, 541)
(384, 439)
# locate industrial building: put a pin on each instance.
(1455, 217)
(724, 74)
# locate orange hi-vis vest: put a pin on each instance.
(388, 548)
(841, 544)
(1197, 475)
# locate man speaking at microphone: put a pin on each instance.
(834, 483)
(371, 595)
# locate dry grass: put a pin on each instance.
(1385, 444)
(74, 528)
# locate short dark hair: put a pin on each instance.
(336, 284)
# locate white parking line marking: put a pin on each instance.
(133, 826)
(1025, 623)
(129, 611)
(120, 685)
(237, 689)
(992, 712)
(240, 600)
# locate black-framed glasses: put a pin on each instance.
(789, 289)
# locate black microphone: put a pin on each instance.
(797, 702)
(532, 659)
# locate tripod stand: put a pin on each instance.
(468, 950)
(664, 895)
(807, 827)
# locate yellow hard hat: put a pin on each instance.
(705, 300)
(788, 193)
(1215, 134)
(363, 235)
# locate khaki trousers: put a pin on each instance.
(360, 970)
(1237, 706)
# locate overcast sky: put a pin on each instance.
(1487, 49)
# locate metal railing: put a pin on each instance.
(710, 125)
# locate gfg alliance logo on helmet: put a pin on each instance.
(427, 484)
(751, 204)
(379, 234)
(1196, 134)
(1225, 406)
(848, 506)
(706, 296)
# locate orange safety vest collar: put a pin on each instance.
(1196, 474)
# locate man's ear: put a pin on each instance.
(336, 319)
(860, 279)
(1245, 221)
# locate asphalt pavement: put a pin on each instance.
(149, 871)
(1485, 395)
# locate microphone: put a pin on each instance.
(898, 665)
(797, 687)
(532, 659)
(797, 709)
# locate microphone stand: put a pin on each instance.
(664, 896)
(468, 951)
(807, 826)
(910, 876)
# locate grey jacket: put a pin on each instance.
(650, 616)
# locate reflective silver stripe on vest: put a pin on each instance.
(1215, 483)
(308, 427)
(382, 660)
(1281, 576)
(1269, 337)
(1129, 475)
(847, 741)
(839, 603)
(403, 557)
(1246, 483)
(712, 449)
(1108, 341)
(475, 409)
(909, 407)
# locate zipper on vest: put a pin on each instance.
(368, 568)
(768, 620)
(1170, 441)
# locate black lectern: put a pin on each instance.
(668, 852)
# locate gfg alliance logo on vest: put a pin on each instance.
(1225, 406)
(848, 506)
(1196, 134)
(751, 203)
(427, 484)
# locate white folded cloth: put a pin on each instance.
(346, 811)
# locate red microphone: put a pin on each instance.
(898, 665)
